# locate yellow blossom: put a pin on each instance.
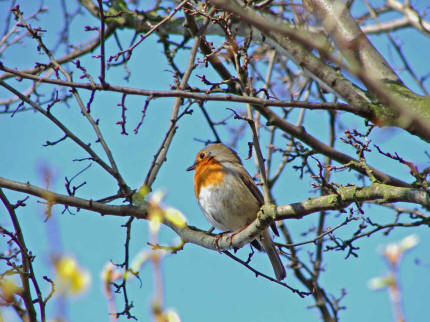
(378, 283)
(140, 195)
(70, 278)
(137, 263)
(176, 217)
(155, 220)
(8, 288)
(172, 316)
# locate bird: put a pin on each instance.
(229, 198)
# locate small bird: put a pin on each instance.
(228, 196)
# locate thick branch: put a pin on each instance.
(266, 31)
(398, 105)
(56, 198)
(337, 21)
(347, 195)
(339, 200)
(411, 15)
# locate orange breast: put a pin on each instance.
(208, 173)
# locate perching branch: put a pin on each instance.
(335, 201)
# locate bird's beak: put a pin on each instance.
(192, 167)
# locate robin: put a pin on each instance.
(228, 196)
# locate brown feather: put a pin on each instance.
(247, 180)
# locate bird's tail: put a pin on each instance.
(269, 247)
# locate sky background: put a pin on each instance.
(200, 285)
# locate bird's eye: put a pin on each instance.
(202, 155)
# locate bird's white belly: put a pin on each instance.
(224, 208)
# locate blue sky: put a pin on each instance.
(200, 285)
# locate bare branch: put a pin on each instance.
(339, 200)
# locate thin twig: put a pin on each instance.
(27, 267)
(257, 273)
(129, 50)
(185, 94)
(102, 43)
(160, 157)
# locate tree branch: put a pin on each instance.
(356, 48)
(320, 147)
(186, 94)
(342, 198)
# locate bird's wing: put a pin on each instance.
(247, 180)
